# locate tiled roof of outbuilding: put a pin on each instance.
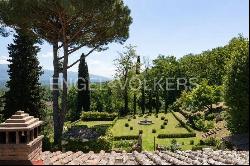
(207, 157)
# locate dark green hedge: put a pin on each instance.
(180, 135)
(126, 137)
(98, 116)
(92, 145)
(183, 123)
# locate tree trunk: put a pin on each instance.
(64, 91)
(135, 104)
(55, 93)
(150, 102)
(157, 102)
(143, 100)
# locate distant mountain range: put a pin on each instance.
(47, 75)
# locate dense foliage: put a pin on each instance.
(237, 86)
(24, 88)
(98, 116)
(83, 96)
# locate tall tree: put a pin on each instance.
(83, 96)
(124, 69)
(237, 86)
(69, 25)
(24, 88)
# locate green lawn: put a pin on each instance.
(119, 129)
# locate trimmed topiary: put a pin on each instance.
(191, 142)
(126, 125)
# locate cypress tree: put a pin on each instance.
(24, 89)
(83, 97)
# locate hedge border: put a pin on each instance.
(189, 129)
(126, 137)
(178, 135)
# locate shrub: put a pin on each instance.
(210, 125)
(210, 142)
(134, 117)
(162, 126)
(165, 123)
(124, 145)
(165, 120)
(93, 145)
(126, 137)
(153, 130)
(183, 143)
(129, 119)
(156, 115)
(140, 131)
(162, 118)
(98, 116)
(126, 125)
(191, 142)
(180, 135)
(174, 146)
(131, 128)
(194, 148)
(211, 116)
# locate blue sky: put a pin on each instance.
(168, 27)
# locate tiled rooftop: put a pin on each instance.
(205, 157)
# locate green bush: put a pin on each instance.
(126, 125)
(98, 116)
(211, 116)
(180, 135)
(129, 119)
(194, 148)
(140, 131)
(210, 142)
(124, 145)
(165, 120)
(126, 137)
(156, 115)
(134, 117)
(162, 126)
(93, 145)
(174, 146)
(153, 130)
(182, 143)
(191, 142)
(131, 128)
(165, 123)
(162, 118)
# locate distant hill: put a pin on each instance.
(47, 75)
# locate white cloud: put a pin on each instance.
(3, 60)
